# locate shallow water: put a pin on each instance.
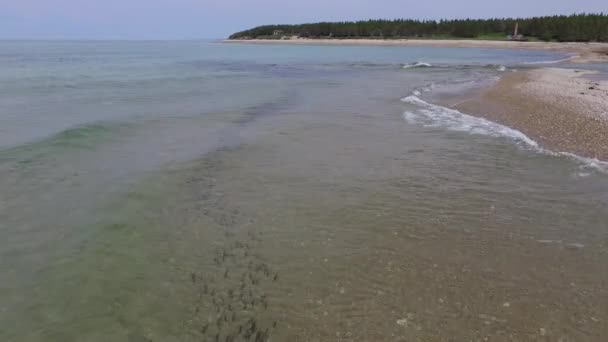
(177, 191)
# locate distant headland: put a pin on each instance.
(572, 28)
(582, 36)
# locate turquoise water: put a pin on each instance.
(176, 191)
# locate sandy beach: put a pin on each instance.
(581, 52)
(564, 110)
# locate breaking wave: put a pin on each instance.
(430, 115)
(417, 65)
(552, 62)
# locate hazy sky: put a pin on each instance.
(188, 19)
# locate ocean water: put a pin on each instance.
(194, 190)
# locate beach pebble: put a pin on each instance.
(543, 332)
(402, 322)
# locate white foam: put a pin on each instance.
(553, 62)
(417, 65)
(586, 163)
(501, 68)
(430, 115)
(427, 88)
(410, 117)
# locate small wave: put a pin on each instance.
(430, 115)
(426, 89)
(586, 163)
(417, 65)
(84, 137)
(437, 116)
(369, 65)
(498, 67)
(552, 62)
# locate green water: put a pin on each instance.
(188, 191)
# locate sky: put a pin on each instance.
(204, 19)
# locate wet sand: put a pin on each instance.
(581, 52)
(563, 110)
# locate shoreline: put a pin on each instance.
(563, 110)
(581, 52)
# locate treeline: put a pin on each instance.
(572, 28)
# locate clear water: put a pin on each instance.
(177, 191)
